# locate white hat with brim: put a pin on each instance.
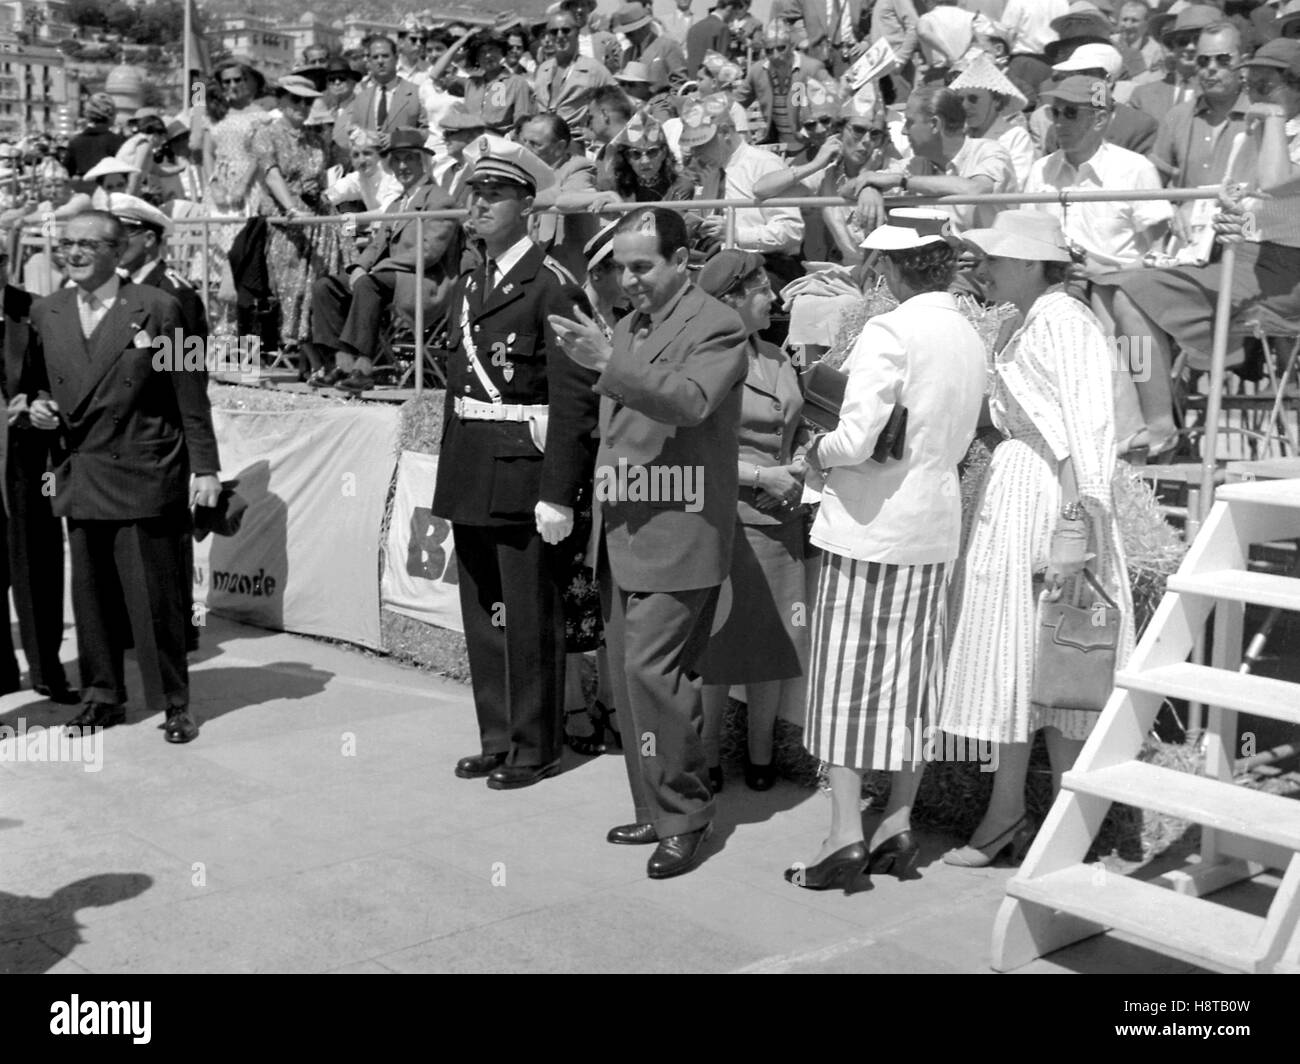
(299, 85)
(108, 165)
(497, 160)
(634, 73)
(910, 228)
(134, 209)
(1033, 236)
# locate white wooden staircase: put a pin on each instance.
(1056, 899)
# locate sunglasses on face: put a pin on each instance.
(1069, 113)
(562, 31)
(644, 153)
(974, 99)
(1222, 59)
(859, 132)
(1263, 86)
(338, 77)
(232, 81)
(821, 122)
(777, 49)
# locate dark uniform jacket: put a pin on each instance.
(491, 472)
(131, 433)
(194, 317)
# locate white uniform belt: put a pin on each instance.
(476, 410)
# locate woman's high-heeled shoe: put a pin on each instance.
(898, 855)
(760, 777)
(846, 868)
(1014, 841)
(715, 779)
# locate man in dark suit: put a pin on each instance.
(516, 455)
(33, 558)
(710, 34)
(132, 425)
(142, 261)
(347, 309)
(385, 102)
(666, 480)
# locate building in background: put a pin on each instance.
(42, 20)
(256, 41)
(356, 29)
(312, 29)
(33, 87)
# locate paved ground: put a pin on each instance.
(316, 826)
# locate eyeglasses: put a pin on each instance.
(820, 122)
(1222, 59)
(92, 246)
(645, 153)
(972, 98)
(859, 132)
(777, 49)
(1069, 113)
(233, 81)
(561, 31)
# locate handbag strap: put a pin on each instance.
(1095, 584)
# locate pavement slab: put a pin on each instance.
(316, 826)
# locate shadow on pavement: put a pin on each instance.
(22, 918)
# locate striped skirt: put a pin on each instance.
(876, 670)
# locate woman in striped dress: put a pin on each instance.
(889, 532)
(1045, 508)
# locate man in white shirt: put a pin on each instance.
(1114, 235)
(730, 169)
(1029, 24)
(945, 162)
(678, 22)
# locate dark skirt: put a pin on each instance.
(1181, 299)
(761, 627)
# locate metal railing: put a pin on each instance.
(1064, 198)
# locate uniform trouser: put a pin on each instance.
(512, 610)
(349, 317)
(35, 542)
(139, 565)
(653, 640)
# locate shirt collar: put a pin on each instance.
(144, 271)
(1238, 108)
(105, 294)
(511, 257)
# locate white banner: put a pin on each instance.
(420, 563)
(306, 557)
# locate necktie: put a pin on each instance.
(489, 277)
(88, 309)
(382, 114)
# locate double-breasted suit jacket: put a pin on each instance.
(132, 433)
(491, 472)
(672, 405)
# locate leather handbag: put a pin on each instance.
(1075, 664)
(823, 395)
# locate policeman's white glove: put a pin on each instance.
(554, 523)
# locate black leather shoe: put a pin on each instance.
(846, 868)
(716, 779)
(760, 777)
(897, 855)
(633, 835)
(98, 715)
(678, 854)
(180, 726)
(478, 765)
(64, 696)
(508, 777)
(356, 383)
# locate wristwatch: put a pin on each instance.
(1073, 511)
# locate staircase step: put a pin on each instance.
(1261, 696)
(1214, 803)
(1182, 925)
(1285, 493)
(1236, 585)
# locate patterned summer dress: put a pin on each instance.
(1050, 397)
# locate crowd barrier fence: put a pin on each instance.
(1064, 198)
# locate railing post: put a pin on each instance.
(419, 306)
(203, 270)
(730, 237)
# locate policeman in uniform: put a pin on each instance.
(517, 452)
(142, 262)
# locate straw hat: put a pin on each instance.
(1030, 235)
(981, 72)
